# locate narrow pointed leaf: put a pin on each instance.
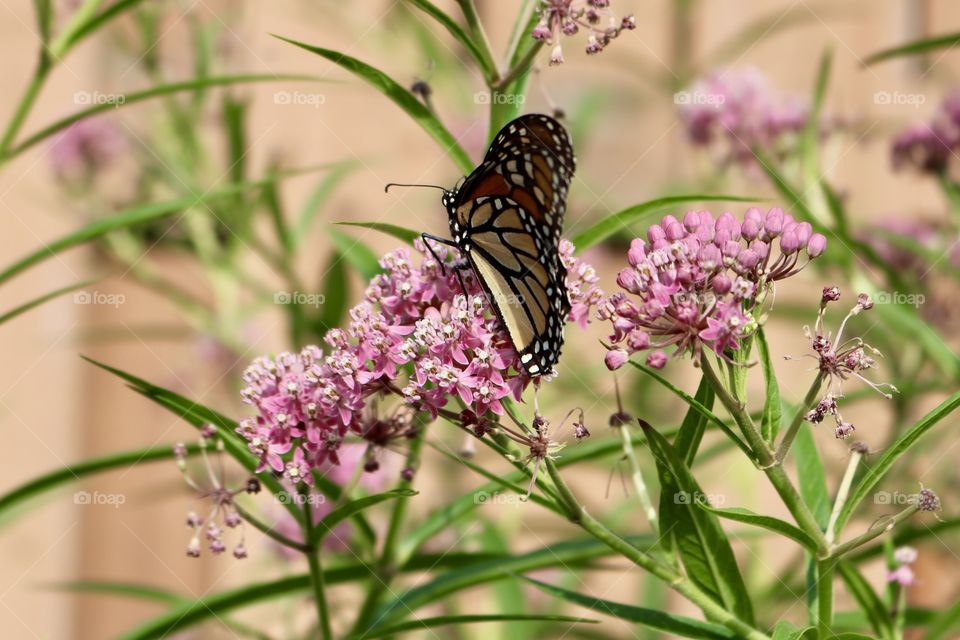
(398, 232)
(359, 255)
(443, 621)
(673, 625)
(917, 47)
(698, 537)
(36, 302)
(772, 404)
(811, 478)
(130, 218)
(621, 220)
(318, 198)
(694, 424)
(458, 32)
(870, 603)
(878, 470)
(400, 96)
(767, 522)
(338, 515)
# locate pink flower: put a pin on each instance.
(416, 337)
(696, 283)
(86, 147)
(567, 17)
(928, 147)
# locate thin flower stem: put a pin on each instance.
(386, 565)
(767, 461)
(842, 492)
(480, 36)
(825, 597)
(270, 531)
(639, 485)
(522, 66)
(645, 561)
(808, 402)
(316, 573)
(840, 549)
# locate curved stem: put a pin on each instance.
(638, 482)
(790, 435)
(850, 545)
(316, 573)
(842, 494)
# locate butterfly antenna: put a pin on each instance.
(386, 189)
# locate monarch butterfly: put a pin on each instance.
(506, 219)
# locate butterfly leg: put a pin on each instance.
(450, 243)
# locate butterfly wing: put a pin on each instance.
(531, 162)
(521, 275)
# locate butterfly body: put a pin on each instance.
(506, 219)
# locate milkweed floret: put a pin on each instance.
(697, 283)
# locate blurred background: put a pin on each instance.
(156, 312)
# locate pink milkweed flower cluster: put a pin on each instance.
(928, 147)
(695, 284)
(902, 573)
(734, 111)
(416, 336)
(567, 17)
(86, 147)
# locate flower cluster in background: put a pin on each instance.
(697, 282)
(85, 148)
(902, 573)
(567, 17)
(928, 147)
(415, 335)
(733, 111)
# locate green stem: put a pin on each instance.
(767, 461)
(850, 545)
(26, 103)
(387, 565)
(480, 36)
(797, 422)
(316, 572)
(522, 66)
(825, 597)
(842, 492)
(645, 561)
(639, 485)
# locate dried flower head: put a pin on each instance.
(222, 514)
(697, 283)
(560, 18)
(927, 500)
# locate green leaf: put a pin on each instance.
(811, 476)
(870, 603)
(84, 25)
(74, 472)
(400, 96)
(787, 631)
(613, 223)
(891, 454)
(123, 589)
(767, 522)
(360, 256)
(944, 622)
(441, 621)
(695, 405)
(400, 233)
(458, 32)
(694, 424)
(573, 553)
(127, 99)
(772, 404)
(698, 537)
(916, 47)
(198, 415)
(341, 513)
(319, 197)
(810, 136)
(36, 302)
(653, 618)
(130, 218)
(336, 294)
(850, 636)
